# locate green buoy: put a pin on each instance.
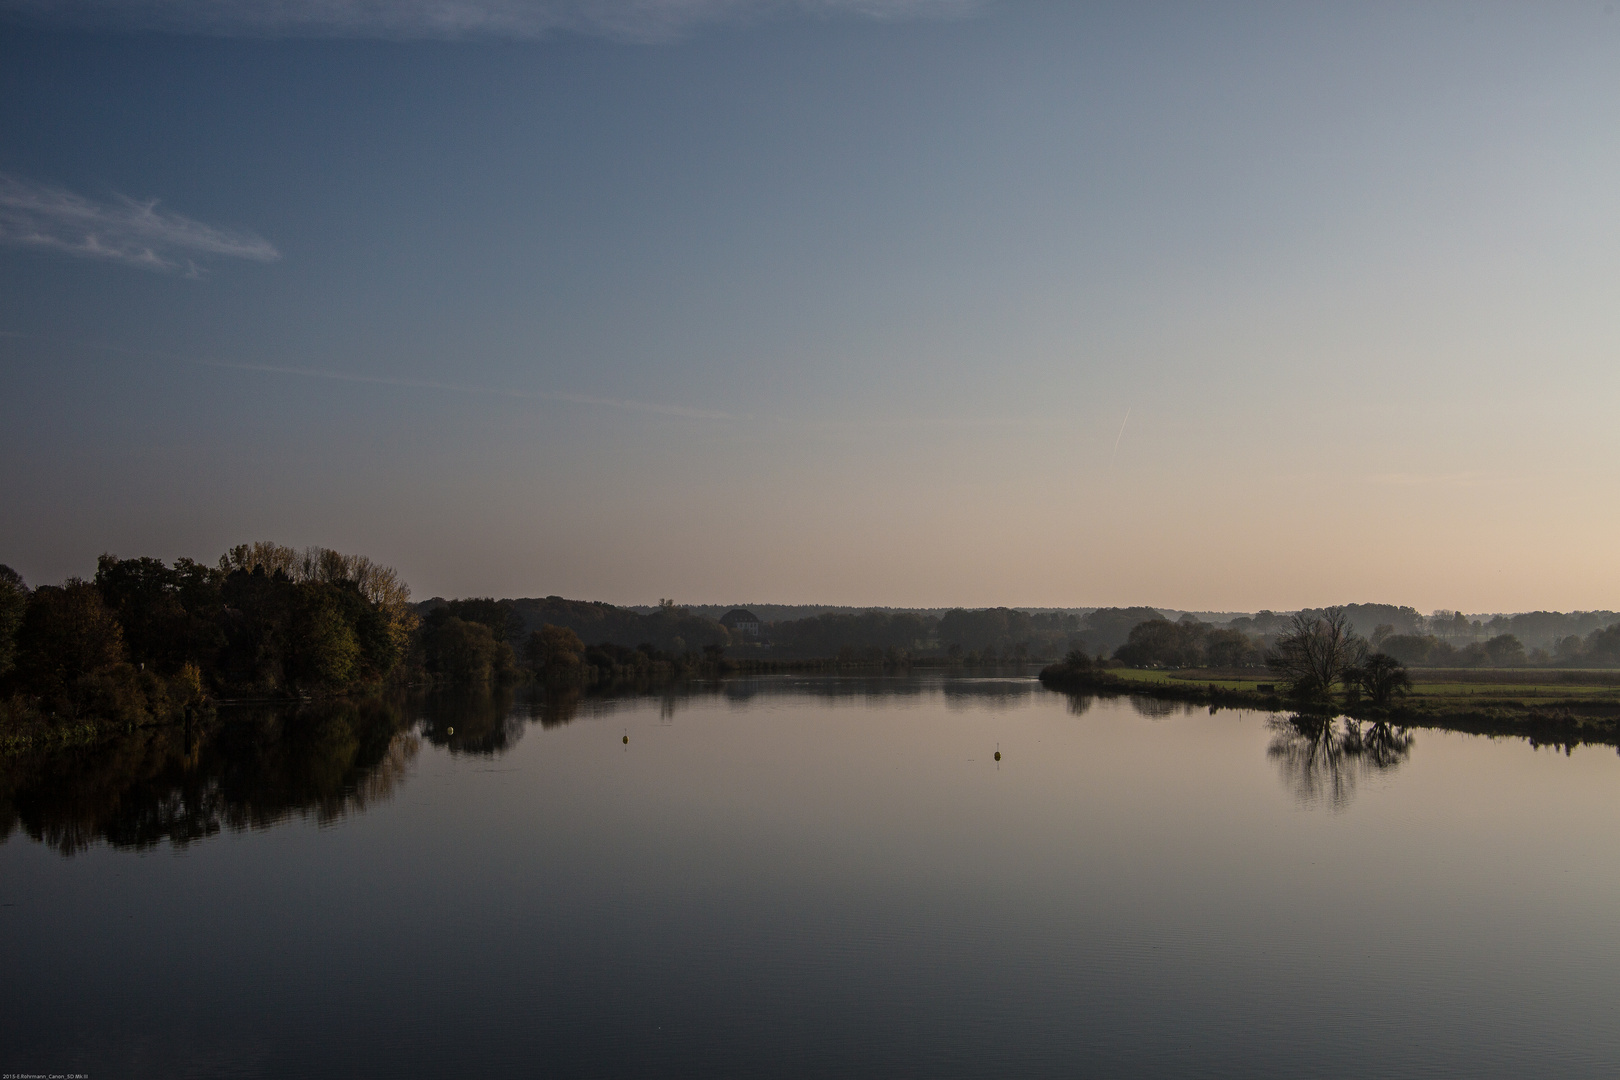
(627, 740)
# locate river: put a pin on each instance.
(804, 876)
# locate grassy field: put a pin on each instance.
(1555, 706)
(1528, 686)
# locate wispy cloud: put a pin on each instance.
(125, 230)
(653, 407)
(634, 20)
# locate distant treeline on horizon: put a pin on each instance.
(1443, 639)
(147, 640)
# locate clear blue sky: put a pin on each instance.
(1220, 306)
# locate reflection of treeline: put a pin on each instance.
(181, 783)
(251, 766)
(144, 640)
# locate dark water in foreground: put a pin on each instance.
(811, 876)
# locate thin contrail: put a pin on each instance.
(1118, 437)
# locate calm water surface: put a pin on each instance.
(807, 877)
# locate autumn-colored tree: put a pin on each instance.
(322, 650)
(555, 653)
(463, 652)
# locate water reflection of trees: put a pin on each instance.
(1151, 707)
(1158, 708)
(256, 766)
(252, 769)
(477, 720)
(1321, 758)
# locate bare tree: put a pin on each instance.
(1316, 652)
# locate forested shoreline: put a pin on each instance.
(1320, 666)
(143, 641)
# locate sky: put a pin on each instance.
(875, 302)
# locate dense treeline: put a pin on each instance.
(1599, 648)
(481, 640)
(984, 635)
(1318, 659)
(1244, 643)
(978, 635)
(1188, 643)
(669, 628)
(830, 634)
(144, 640)
(1546, 630)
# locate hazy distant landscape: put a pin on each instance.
(144, 643)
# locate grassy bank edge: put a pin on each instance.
(1565, 722)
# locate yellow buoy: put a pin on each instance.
(627, 740)
(450, 731)
(998, 755)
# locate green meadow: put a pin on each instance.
(1545, 705)
(1526, 686)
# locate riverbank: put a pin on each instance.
(1564, 707)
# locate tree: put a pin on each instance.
(466, 652)
(1316, 651)
(1077, 660)
(1381, 677)
(322, 652)
(1107, 629)
(67, 634)
(143, 594)
(1603, 646)
(555, 653)
(13, 603)
(1186, 643)
(499, 615)
(1230, 649)
(1505, 650)
(1162, 643)
(379, 585)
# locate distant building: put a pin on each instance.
(742, 622)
